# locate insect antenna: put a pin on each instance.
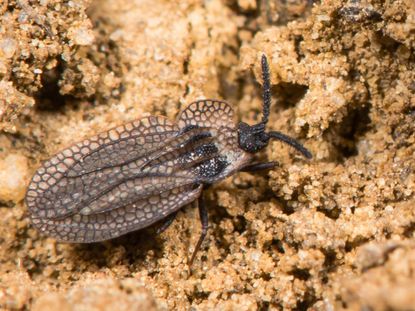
(253, 138)
(266, 90)
(292, 142)
(267, 102)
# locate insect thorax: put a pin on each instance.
(224, 157)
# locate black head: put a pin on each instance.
(253, 138)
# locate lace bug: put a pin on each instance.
(139, 173)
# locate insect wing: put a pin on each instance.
(207, 113)
(120, 145)
(90, 168)
(72, 199)
(116, 222)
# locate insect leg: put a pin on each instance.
(203, 213)
(259, 166)
(163, 227)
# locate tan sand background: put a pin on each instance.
(332, 233)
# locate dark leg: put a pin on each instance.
(259, 166)
(169, 220)
(203, 213)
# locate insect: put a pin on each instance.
(356, 11)
(143, 172)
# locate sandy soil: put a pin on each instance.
(333, 233)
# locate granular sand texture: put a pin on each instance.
(333, 233)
